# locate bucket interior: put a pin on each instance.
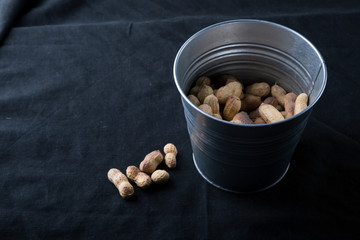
(253, 52)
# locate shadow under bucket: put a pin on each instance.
(247, 158)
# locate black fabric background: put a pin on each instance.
(88, 85)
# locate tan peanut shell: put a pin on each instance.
(232, 107)
(250, 102)
(289, 104)
(217, 116)
(141, 179)
(170, 160)
(230, 89)
(194, 100)
(259, 120)
(242, 118)
(231, 80)
(261, 89)
(271, 100)
(170, 155)
(160, 176)
(195, 90)
(206, 108)
(151, 161)
(170, 148)
(301, 103)
(236, 121)
(203, 81)
(279, 93)
(269, 113)
(204, 92)
(223, 94)
(236, 88)
(254, 114)
(213, 102)
(121, 182)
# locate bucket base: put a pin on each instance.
(234, 191)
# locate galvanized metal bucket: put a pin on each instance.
(247, 158)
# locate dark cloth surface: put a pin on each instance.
(87, 85)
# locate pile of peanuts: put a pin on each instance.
(146, 174)
(259, 103)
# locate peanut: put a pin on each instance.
(160, 176)
(195, 90)
(194, 100)
(203, 81)
(170, 155)
(213, 102)
(250, 102)
(290, 104)
(301, 103)
(269, 113)
(279, 93)
(242, 118)
(232, 107)
(223, 94)
(254, 114)
(204, 92)
(259, 120)
(236, 88)
(217, 116)
(230, 89)
(151, 161)
(261, 89)
(283, 113)
(271, 100)
(233, 79)
(141, 179)
(121, 182)
(206, 108)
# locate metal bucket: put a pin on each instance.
(247, 158)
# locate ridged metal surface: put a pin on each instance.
(247, 158)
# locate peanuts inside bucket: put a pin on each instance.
(227, 98)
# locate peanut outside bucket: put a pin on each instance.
(247, 158)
